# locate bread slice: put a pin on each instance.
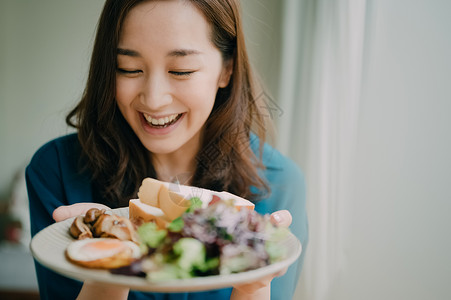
(147, 213)
(172, 204)
(149, 190)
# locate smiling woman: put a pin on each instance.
(146, 62)
(170, 95)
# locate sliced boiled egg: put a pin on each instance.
(102, 252)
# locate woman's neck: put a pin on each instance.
(173, 172)
(178, 166)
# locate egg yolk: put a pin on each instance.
(104, 245)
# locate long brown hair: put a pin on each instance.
(113, 153)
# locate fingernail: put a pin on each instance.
(277, 218)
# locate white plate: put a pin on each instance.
(48, 248)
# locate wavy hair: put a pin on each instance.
(112, 152)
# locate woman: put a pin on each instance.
(170, 95)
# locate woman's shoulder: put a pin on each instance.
(286, 182)
(63, 147)
(56, 172)
(276, 164)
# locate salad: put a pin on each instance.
(218, 239)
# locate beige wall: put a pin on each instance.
(45, 47)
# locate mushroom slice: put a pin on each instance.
(79, 230)
(92, 215)
(114, 226)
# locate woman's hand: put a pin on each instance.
(67, 211)
(90, 290)
(99, 291)
(261, 290)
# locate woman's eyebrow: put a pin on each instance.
(183, 52)
(173, 53)
(128, 52)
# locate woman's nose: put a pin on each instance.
(156, 92)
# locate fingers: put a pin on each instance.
(67, 211)
(253, 287)
(281, 218)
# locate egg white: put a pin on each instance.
(80, 250)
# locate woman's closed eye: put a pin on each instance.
(124, 71)
(181, 73)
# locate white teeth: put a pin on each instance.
(160, 121)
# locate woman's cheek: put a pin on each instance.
(126, 90)
(200, 91)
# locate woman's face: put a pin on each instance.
(168, 73)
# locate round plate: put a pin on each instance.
(49, 245)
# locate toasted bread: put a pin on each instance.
(147, 213)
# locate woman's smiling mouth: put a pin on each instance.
(161, 122)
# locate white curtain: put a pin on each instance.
(322, 52)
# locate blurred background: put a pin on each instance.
(360, 95)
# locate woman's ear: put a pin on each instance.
(226, 73)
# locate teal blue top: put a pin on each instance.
(53, 179)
